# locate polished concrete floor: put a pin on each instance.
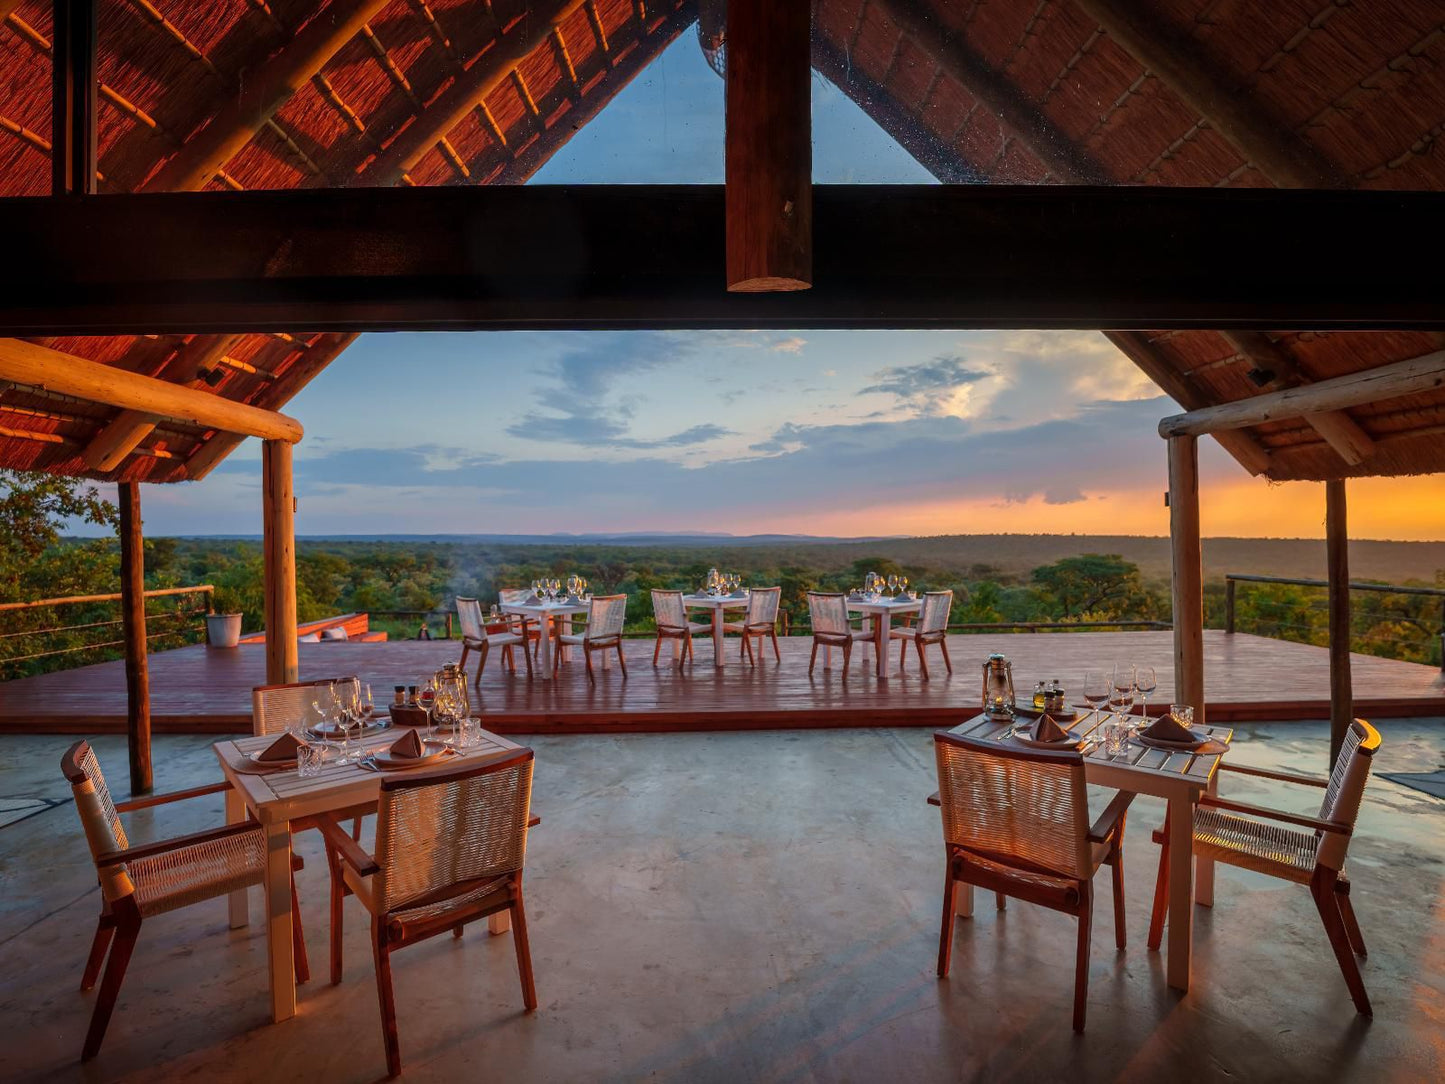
(744, 907)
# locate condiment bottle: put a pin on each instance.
(398, 694)
(1040, 697)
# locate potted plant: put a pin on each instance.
(223, 630)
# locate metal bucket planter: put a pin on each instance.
(223, 630)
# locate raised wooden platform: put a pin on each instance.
(203, 689)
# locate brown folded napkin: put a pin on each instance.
(1168, 728)
(1045, 729)
(283, 748)
(408, 745)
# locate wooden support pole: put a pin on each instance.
(1408, 377)
(279, 543)
(54, 370)
(73, 97)
(1188, 574)
(1229, 593)
(1337, 556)
(769, 193)
(133, 630)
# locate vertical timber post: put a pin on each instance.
(279, 534)
(1229, 605)
(72, 98)
(1337, 556)
(133, 631)
(1188, 574)
(769, 172)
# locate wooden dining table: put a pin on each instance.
(1177, 777)
(552, 616)
(275, 799)
(881, 610)
(717, 604)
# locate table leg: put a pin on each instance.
(717, 636)
(279, 946)
(565, 627)
(880, 642)
(237, 903)
(1181, 876)
(963, 899)
(1204, 867)
(544, 643)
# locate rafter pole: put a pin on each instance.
(73, 98)
(1177, 60)
(1252, 455)
(1337, 550)
(468, 90)
(1339, 430)
(262, 94)
(995, 92)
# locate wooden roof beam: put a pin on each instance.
(1409, 377)
(1177, 60)
(1252, 455)
(56, 371)
(262, 94)
(1340, 431)
(469, 89)
(995, 92)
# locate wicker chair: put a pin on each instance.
(672, 622)
(605, 615)
(932, 628)
(1260, 839)
(761, 620)
(828, 613)
(1016, 823)
(138, 882)
(475, 634)
(449, 850)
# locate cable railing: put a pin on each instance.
(1288, 619)
(29, 643)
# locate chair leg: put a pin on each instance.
(748, 649)
(621, 660)
(482, 661)
(1322, 888)
(1161, 893)
(1352, 926)
(1116, 876)
(524, 952)
(126, 932)
(847, 654)
(777, 655)
(947, 662)
(338, 911)
(922, 658)
(509, 658)
(466, 650)
(298, 937)
(1000, 901)
(382, 951)
(813, 658)
(656, 648)
(104, 931)
(587, 657)
(945, 934)
(1081, 965)
(527, 655)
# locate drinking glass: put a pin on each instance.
(323, 706)
(469, 732)
(1096, 688)
(893, 584)
(1184, 713)
(1146, 681)
(349, 717)
(1121, 697)
(309, 759)
(903, 584)
(365, 704)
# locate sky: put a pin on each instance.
(808, 432)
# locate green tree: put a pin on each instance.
(1091, 584)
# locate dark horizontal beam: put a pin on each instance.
(966, 256)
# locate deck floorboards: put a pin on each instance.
(1248, 677)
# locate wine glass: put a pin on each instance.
(903, 584)
(1096, 688)
(323, 704)
(893, 584)
(536, 588)
(348, 697)
(1121, 697)
(366, 704)
(1146, 681)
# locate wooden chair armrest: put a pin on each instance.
(1269, 773)
(934, 799)
(150, 800)
(346, 848)
(1108, 822)
(175, 843)
(1276, 814)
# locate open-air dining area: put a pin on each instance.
(666, 800)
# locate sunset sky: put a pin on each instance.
(836, 433)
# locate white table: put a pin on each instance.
(278, 798)
(545, 612)
(882, 610)
(717, 604)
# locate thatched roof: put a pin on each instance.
(1191, 92)
(172, 74)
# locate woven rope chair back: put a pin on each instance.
(1012, 803)
(667, 609)
(936, 607)
(514, 596)
(605, 615)
(763, 605)
(464, 826)
(1347, 790)
(98, 816)
(469, 616)
(828, 613)
(275, 708)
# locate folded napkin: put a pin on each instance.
(1045, 729)
(282, 749)
(408, 745)
(1167, 728)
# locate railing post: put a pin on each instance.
(1229, 605)
(449, 626)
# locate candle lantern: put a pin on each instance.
(998, 687)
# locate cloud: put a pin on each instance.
(598, 431)
(931, 386)
(792, 345)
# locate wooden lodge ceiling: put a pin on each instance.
(248, 94)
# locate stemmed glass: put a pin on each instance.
(1121, 695)
(1146, 681)
(893, 585)
(323, 706)
(536, 588)
(903, 584)
(348, 694)
(1096, 688)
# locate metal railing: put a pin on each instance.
(1233, 578)
(446, 615)
(175, 623)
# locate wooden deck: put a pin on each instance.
(1249, 677)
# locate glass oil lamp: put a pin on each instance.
(998, 687)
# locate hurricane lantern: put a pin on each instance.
(998, 687)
